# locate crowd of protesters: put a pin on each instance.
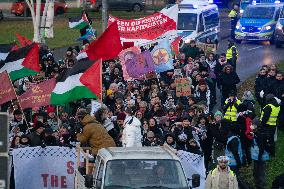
(147, 112)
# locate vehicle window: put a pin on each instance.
(143, 173)
(187, 21)
(259, 12)
(100, 174)
(211, 19)
(201, 24)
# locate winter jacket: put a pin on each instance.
(203, 96)
(267, 111)
(229, 82)
(260, 84)
(95, 135)
(214, 179)
(131, 136)
(192, 52)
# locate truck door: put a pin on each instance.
(99, 174)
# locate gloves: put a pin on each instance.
(278, 100)
(261, 94)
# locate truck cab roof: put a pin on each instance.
(113, 153)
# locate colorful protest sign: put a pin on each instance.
(143, 30)
(162, 56)
(134, 63)
(207, 48)
(37, 95)
(6, 89)
(43, 167)
(183, 87)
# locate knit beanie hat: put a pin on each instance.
(218, 113)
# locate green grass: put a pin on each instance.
(63, 35)
(275, 165)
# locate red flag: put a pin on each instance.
(7, 92)
(107, 46)
(38, 95)
(23, 41)
(175, 45)
(93, 1)
(92, 78)
(32, 59)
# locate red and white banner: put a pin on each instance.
(146, 29)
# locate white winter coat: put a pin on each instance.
(131, 136)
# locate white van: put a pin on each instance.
(131, 168)
(198, 20)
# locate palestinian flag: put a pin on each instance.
(4, 50)
(22, 62)
(83, 80)
(77, 23)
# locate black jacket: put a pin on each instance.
(260, 84)
(229, 81)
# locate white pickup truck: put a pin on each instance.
(136, 168)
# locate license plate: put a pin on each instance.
(250, 35)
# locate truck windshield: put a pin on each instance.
(259, 12)
(187, 21)
(142, 174)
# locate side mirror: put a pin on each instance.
(89, 181)
(195, 180)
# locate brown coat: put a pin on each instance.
(95, 135)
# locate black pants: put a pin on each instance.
(259, 169)
(269, 137)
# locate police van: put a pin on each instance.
(279, 31)
(245, 3)
(258, 22)
(198, 20)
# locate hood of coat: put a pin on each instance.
(88, 119)
(132, 121)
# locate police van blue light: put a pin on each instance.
(198, 20)
(258, 22)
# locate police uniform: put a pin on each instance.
(232, 56)
(234, 19)
(231, 112)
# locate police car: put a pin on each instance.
(279, 31)
(198, 20)
(258, 22)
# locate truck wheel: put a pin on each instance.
(278, 44)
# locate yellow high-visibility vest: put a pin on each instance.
(273, 115)
(229, 54)
(233, 13)
(231, 113)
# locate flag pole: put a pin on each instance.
(24, 116)
(101, 80)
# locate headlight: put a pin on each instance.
(267, 27)
(238, 26)
(279, 26)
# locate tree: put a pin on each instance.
(39, 22)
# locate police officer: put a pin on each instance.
(234, 16)
(259, 155)
(231, 106)
(232, 54)
(234, 150)
(269, 115)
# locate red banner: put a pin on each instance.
(38, 95)
(149, 27)
(6, 88)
